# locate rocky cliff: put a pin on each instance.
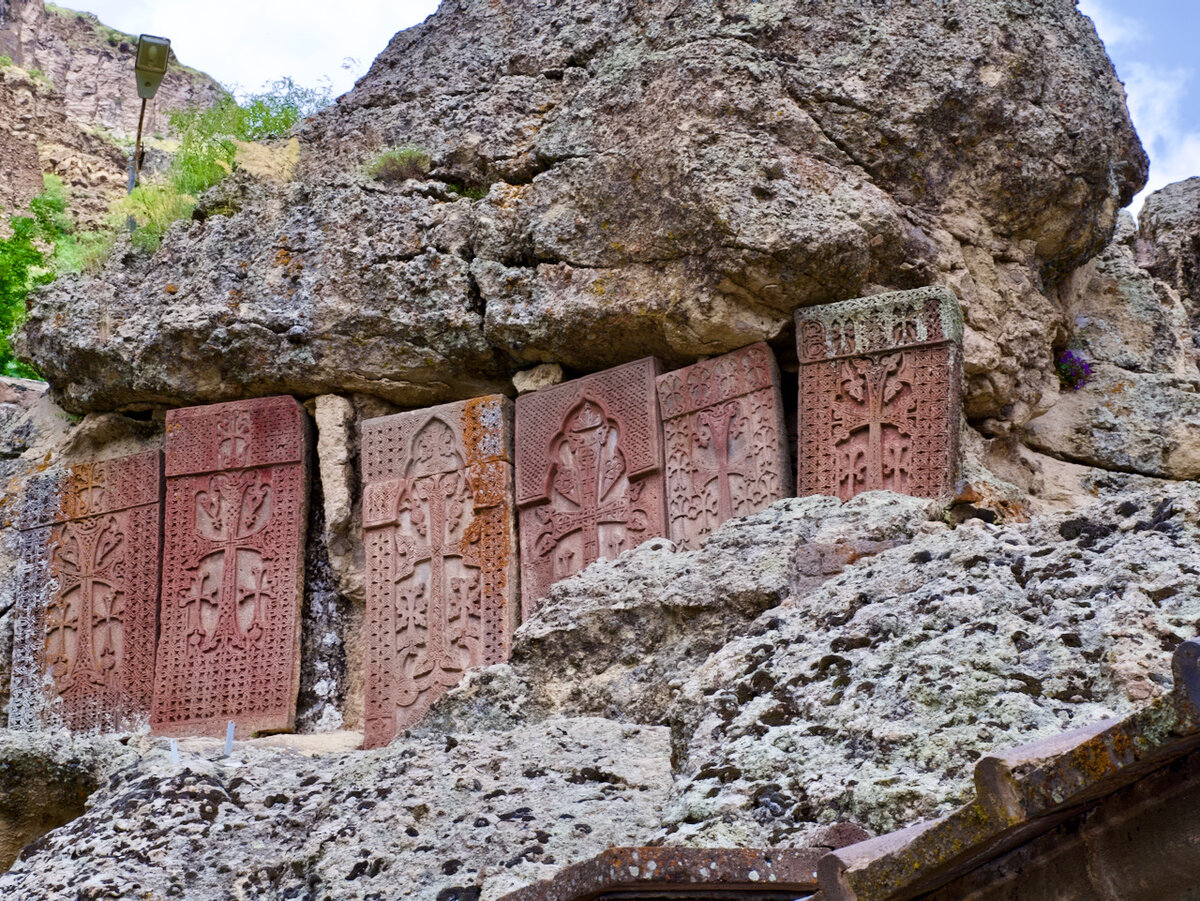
(606, 181)
(67, 100)
(609, 181)
(817, 665)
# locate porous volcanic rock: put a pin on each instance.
(1140, 409)
(862, 696)
(1169, 239)
(434, 817)
(609, 180)
(868, 699)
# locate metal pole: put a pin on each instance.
(135, 164)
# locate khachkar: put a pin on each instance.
(441, 553)
(726, 443)
(87, 619)
(233, 568)
(589, 473)
(880, 394)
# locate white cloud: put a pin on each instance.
(1156, 103)
(1114, 28)
(248, 44)
(1157, 96)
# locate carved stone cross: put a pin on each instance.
(725, 446)
(880, 394)
(441, 554)
(88, 610)
(589, 473)
(233, 568)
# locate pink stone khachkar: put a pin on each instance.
(726, 443)
(441, 552)
(880, 394)
(233, 568)
(589, 473)
(88, 615)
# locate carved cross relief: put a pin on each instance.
(880, 394)
(589, 471)
(233, 568)
(724, 434)
(87, 622)
(441, 554)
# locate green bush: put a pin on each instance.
(21, 268)
(50, 210)
(154, 208)
(5, 60)
(400, 163)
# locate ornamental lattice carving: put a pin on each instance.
(880, 394)
(441, 554)
(87, 618)
(589, 473)
(724, 440)
(233, 568)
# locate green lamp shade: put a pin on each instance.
(153, 54)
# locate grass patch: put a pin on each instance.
(5, 60)
(400, 163)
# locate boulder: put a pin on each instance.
(814, 152)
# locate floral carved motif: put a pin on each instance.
(87, 622)
(725, 441)
(441, 554)
(880, 389)
(589, 473)
(233, 565)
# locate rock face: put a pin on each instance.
(871, 656)
(815, 151)
(92, 66)
(37, 135)
(1169, 240)
(1140, 409)
(68, 93)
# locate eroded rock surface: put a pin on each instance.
(836, 688)
(815, 151)
(1140, 409)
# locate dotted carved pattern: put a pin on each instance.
(441, 554)
(232, 571)
(585, 500)
(261, 432)
(87, 624)
(887, 419)
(628, 393)
(724, 441)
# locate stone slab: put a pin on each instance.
(700, 873)
(725, 441)
(880, 394)
(589, 473)
(237, 493)
(441, 547)
(87, 622)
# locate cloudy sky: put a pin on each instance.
(247, 43)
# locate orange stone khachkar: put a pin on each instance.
(880, 394)
(86, 625)
(441, 553)
(725, 441)
(233, 568)
(589, 473)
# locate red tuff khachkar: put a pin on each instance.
(233, 568)
(589, 473)
(725, 441)
(441, 554)
(86, 625)
(880, 394)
